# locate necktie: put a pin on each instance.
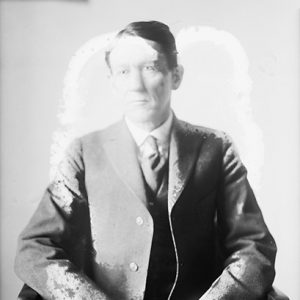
(152, 163)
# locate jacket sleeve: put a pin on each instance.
(249, 249)
(50, 254)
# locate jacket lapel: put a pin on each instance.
(184, 146)
(122, 152)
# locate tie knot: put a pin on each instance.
(149, 147)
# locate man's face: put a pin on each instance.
(142, 80)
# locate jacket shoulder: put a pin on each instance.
(205, 132)
(99, 137)
(79, 147)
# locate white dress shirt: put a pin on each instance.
(161, 133)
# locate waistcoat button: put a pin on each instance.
(139, 221)
(133, 267)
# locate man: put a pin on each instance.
(152, 207)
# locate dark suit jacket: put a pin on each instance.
(90, 237)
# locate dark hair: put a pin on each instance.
(155, 31)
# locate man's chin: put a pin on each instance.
(140, 116)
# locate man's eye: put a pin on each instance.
(151, 68)
(123, 72)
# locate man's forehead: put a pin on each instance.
(135, 48)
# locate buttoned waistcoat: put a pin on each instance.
(90, 237)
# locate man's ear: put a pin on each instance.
(177, 75)
(111, 81)
(108, 73)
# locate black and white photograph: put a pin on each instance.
(150, 150)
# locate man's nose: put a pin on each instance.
(136, 81)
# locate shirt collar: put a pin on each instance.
(161, 133)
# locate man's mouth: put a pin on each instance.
(138, 101)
